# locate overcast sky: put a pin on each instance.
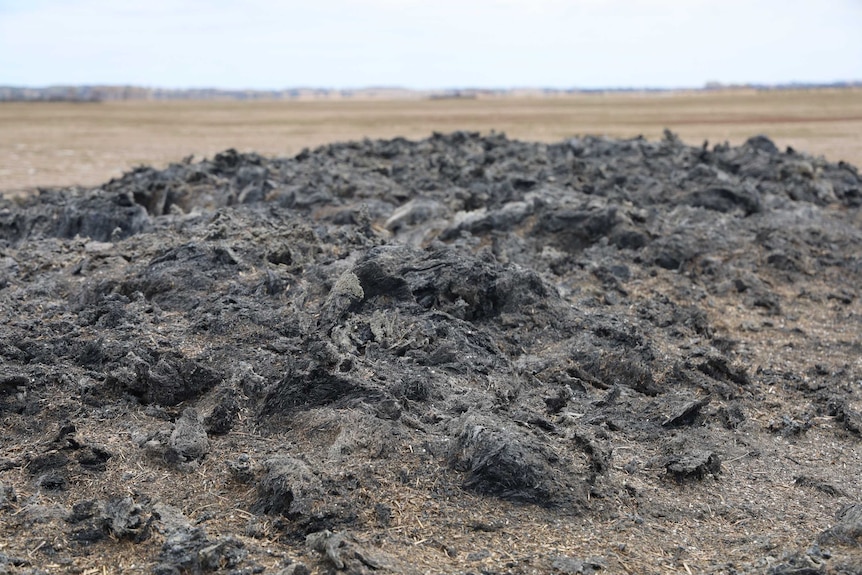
(268, 44)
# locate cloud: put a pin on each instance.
(420, 43)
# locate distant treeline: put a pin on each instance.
(116, 93)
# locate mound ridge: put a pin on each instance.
(461, 354)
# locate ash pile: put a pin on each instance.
(567, 328)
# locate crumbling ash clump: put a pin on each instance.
(568, 327)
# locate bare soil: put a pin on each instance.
(56, 144)
(462, 354)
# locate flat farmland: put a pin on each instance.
(61, 144)
(459, 356)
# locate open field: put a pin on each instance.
(56, 144)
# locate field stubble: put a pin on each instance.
(60, 144)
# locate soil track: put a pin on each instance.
(465, 354)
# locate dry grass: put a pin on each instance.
(53, 144)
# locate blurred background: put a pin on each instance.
(91, 88)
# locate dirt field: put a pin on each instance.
(457, 354)
(86, 144)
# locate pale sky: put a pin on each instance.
(428, 44)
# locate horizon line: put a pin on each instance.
(99, 93)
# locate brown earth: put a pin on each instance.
(58, 144)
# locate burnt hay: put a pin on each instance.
(470, 318)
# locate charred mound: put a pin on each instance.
(463, 354)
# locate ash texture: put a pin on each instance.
(463, 354)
